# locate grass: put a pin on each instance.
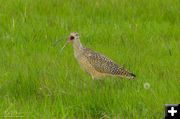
(36, 81)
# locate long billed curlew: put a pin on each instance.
(96, 64)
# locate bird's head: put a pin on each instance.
(74, 36)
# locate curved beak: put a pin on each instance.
(64, 46)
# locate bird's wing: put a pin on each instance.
(103, 64)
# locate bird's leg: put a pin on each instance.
(92, 77)
(95, 77)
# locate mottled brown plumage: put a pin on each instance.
(96, 64)
(103, 64)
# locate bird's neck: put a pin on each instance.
(78, 48)
(77, 44)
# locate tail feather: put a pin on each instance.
(127, 74)
(132, 76)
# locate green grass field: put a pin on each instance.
(37, 81)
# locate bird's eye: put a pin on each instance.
(72, 38)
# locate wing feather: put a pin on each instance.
(103, 64)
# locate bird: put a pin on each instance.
(96, 64)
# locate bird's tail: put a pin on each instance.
(127, 74)
(131, 76)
